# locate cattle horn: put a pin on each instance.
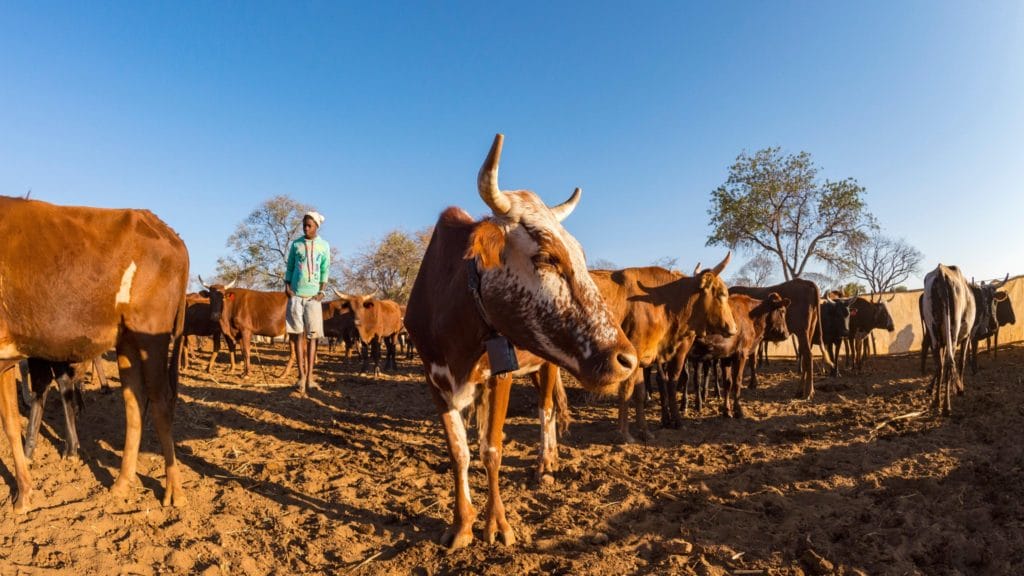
(231, 284)
(696, 269)
(721, 265)
(369, 296)
(341, 295)
(565, 208)
(205, 285)
(1000, 284)
(487, 180)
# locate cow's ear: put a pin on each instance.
(231, 295)
(487, 243)
(204, 293)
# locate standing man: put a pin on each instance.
(305, 278)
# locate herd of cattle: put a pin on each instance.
(505, 296)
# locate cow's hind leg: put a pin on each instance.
(70, 398)
(159, 386)
(495, 404)
(12, 426)
(129, 366)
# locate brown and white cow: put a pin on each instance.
(661, 312)
(243, 313)
(121, 283)
(803, 320)
(532, 287)
(377, 321)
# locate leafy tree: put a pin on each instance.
(778, 205)
(259, 244)
(853, 289)
(388, 267)
(883, 262)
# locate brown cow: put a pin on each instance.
(530, 285)
(243, 313)
(865, 316)
(661, 312)
(802, 319)
(122, 284)
(377, 321)
(754, 318)
(339, 323)
(198, 323)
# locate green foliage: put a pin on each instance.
(776, 204)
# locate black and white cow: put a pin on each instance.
(947, 313)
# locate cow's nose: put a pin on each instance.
(626, 361)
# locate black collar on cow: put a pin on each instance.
(500, 352)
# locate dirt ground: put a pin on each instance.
(356, 480)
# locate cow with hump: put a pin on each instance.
(531, 286)
(115, 279)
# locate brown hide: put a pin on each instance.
(113, 279)
(246, 313)
(753, 317)
(661, 312)
(802, 319)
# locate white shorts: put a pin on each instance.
(305, 316)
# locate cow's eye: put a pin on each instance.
(545, 260)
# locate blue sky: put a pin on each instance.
(381, 113)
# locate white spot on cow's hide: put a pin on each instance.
(8, 351)
(457, 395)
(124, 294)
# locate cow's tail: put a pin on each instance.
(943, 305)
(174, 368)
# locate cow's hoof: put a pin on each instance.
(738, 413)
(454, 539)
(121, 488)
(508, 537)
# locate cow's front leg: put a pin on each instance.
(547, 456)
(495, 404)
(460, 534)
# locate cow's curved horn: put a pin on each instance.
(565, 208)
(231, 284)
(999, 284)
(205, 285)
(696, 269)
(487, 180)
(368, 296)
(341, 295)
(721, 265)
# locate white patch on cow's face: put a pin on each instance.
(546, 304)
(124, 295)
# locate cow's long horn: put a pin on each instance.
(341, 295)
(696, 269)
(721, 265)
(231, 284)
(999, 284)
(369, 296)
(205, 285)
(563, 210)
(487, 180)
